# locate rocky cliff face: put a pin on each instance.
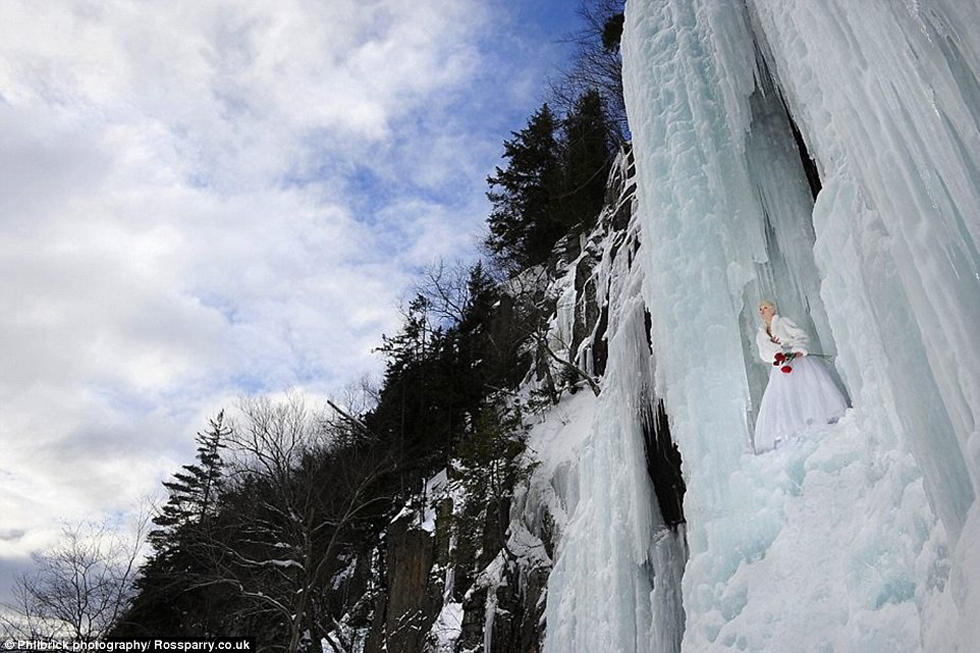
(428, 586)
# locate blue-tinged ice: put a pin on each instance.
(859, 536)
(615, 583)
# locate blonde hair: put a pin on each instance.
(766, 302)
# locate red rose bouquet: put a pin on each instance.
(785, 359)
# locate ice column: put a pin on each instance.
(885, 95)
(614, 586)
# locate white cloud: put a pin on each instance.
(200, 200)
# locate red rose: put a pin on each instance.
(786, 369)
(780, 357)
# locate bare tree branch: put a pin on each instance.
(543, 342)
(79, 588)
(309, 480)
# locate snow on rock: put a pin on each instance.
(554, 444)
(561, 333)
(491, 578)
(435, 490)
(446, 630)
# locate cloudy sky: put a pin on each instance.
(201, 200)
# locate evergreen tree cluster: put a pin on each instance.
(553, 182)
(166, 599)
(439, 370)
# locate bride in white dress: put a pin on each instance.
(800, 392)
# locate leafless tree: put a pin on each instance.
(359, 397)
(445, 286)
(317, 478)
(79, 588)
(567, 365)
(597, 62)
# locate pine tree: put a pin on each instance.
(523, 224)
(193, 492)
(587, 158)
(597, 63)
(612, 31)
(168, 599)
(415, 404)
(489, 467)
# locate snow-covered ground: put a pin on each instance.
(826, 548)
(445, 631)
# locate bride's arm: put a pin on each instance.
(796, 339)
(767, 348)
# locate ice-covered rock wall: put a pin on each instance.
(607, 591)
(860, 536)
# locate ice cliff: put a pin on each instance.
(825, 155)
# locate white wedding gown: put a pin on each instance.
(794, 401)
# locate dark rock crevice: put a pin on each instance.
(663, 463)
(809, 165)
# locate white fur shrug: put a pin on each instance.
(789, 336)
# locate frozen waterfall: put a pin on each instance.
(860, 536)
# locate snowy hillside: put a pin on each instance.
(827, 156)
